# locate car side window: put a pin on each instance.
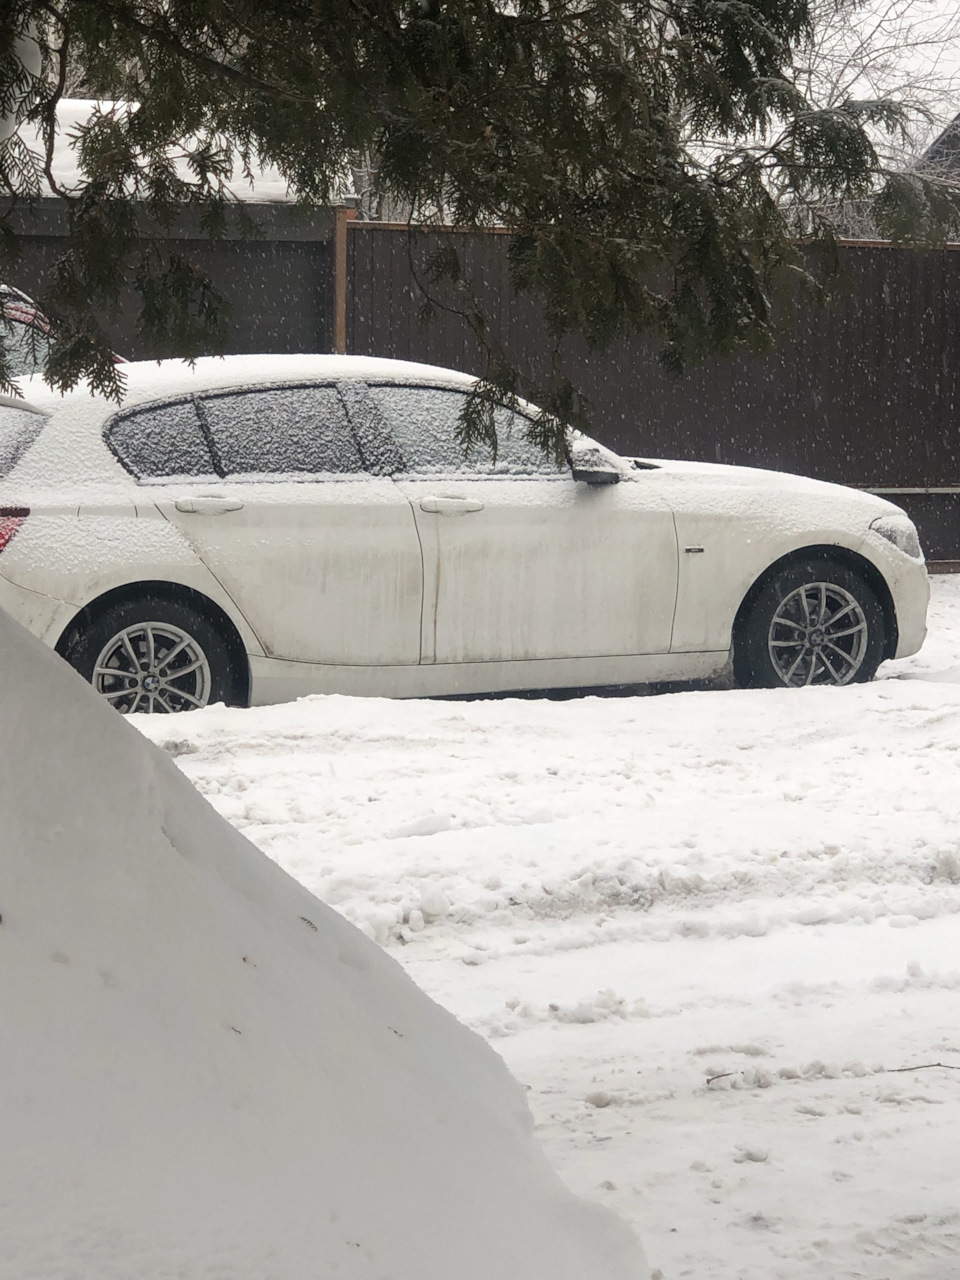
(280, 431)
(379, 450)
(161, 441)
(425, 422)
(18, 430)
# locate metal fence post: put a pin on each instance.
(343, 215)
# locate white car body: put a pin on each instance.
(425, 583)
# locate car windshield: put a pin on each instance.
(26, 347)
(18, 430)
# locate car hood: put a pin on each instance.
(709, 477)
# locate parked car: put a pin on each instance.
(26, 333)
(258, 528)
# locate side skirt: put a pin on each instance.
(273, 680)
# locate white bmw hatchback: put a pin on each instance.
(255, 529)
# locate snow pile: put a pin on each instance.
(207, 1073)
(715, 933)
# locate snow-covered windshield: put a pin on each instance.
(18, 430)
(425, 422)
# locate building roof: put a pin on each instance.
(944, 151)
(267, 185)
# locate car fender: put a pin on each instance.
(77, 558)
(719, 565)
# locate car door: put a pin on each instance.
(319, 553)
(520, 561)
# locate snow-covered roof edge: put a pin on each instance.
(268, 185)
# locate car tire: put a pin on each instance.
(153, 654)
(814, 621)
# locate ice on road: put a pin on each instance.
(708, 930)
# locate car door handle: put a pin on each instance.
(450, 506)
(208, 504)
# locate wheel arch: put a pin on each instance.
(180, 594)
(850, 560)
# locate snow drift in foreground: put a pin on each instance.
(208, 1073)
(715, 933)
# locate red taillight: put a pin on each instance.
(11, 518)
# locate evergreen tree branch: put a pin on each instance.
(653, 161)
(162, 35)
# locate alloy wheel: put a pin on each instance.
(818, 635)
(153, 667)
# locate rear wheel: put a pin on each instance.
(153, 655)
(813, 622)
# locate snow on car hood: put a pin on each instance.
(702, 479)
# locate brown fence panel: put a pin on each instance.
(277, 280)
(863, 391)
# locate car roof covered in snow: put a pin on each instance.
(147, 380)
(76, 419)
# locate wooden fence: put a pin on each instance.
(864, 392)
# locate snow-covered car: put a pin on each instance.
(258, 528)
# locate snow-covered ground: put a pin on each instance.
(708, 930)
(210, 1075)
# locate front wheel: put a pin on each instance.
(814, 622)
(153, 655)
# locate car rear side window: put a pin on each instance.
(18, 430)
(281, 431)
(425, 422)
(161, 441)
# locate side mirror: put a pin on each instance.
(590, 466)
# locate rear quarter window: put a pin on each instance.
(160, 441)
(19, 428)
